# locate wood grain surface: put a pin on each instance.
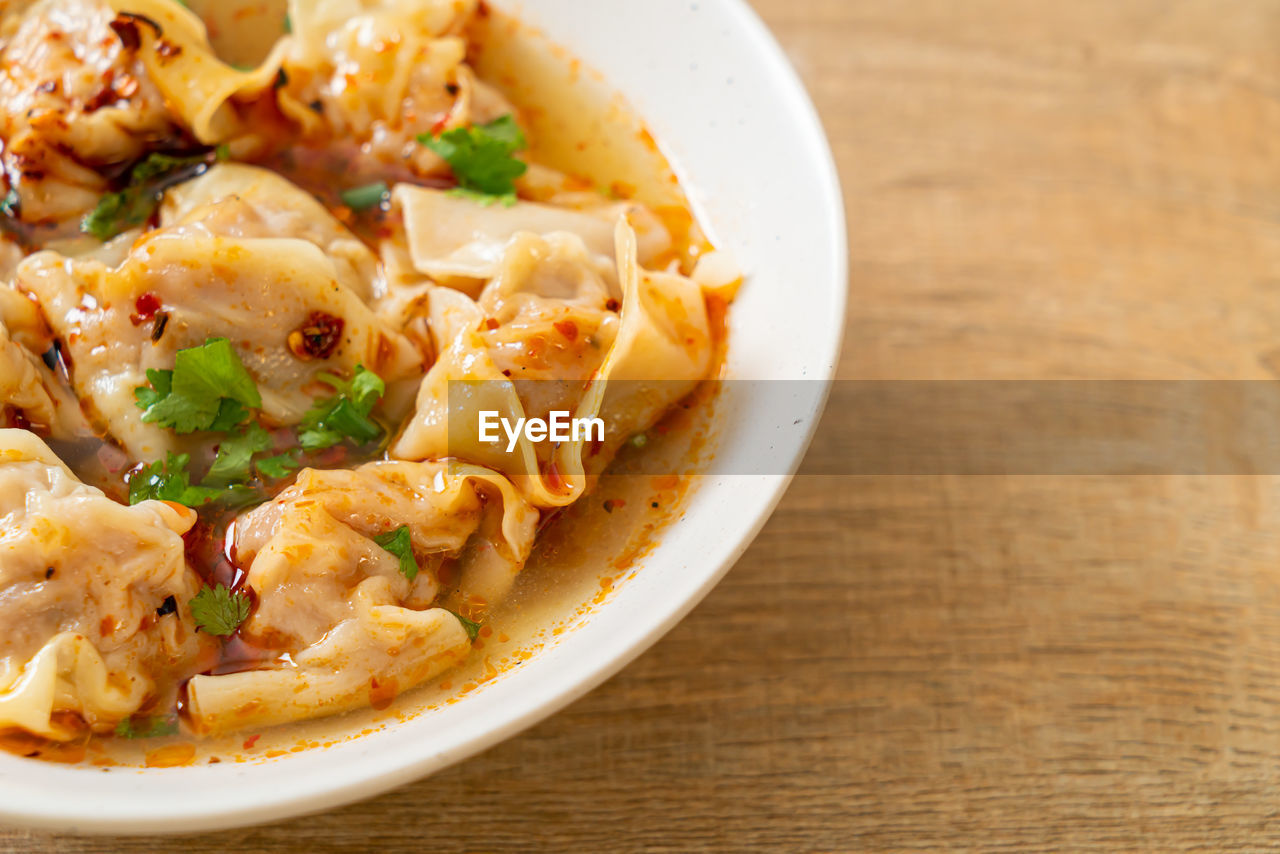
(1086, 189)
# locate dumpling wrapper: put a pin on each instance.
(28, 387)
(63, 114)
(449, 235)
(174, 48)
(415, 52)
(81, 579)
(212, 283)
(236, 200)
(353, 630)
(634, 367)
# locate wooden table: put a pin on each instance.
(1086, 189)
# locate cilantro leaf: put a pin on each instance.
(215, 370)
(235, 455)
(231, 413)
(161, 387)
(147, 726)
(317, 439)
(134, 205)
(365, 197)
(12, 203)
(471, 626)
(481, 156)
(481, 199)
(169, 481)
(208, 389)
(347, 419)
(280, 465)
(219, 611)
(344, 415)
(364, 389)
(400, 544)
(239, 495)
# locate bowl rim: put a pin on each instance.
(368, 778)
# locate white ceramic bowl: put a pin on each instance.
(735, 121)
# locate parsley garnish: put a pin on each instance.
(235, 455)
(481, 156)
(208, 389)
(400, 544)
(145, 726)
(134, 205)
(219, 611)
(12, 202)
(368, 196)
(169, 481)
(280, 465)
(471, 626)
(346, 414)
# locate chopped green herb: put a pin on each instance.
(239, 495)
(279, 466)
(231, 414)
(235, 455)
(147, 726)
(639, 440)
(134, 205)
(208, 389)
(364, 389)
(288, 23)
(169, 481)
(219, 611)
(161, 387)
(319, 438)
(400, 544)
(482, 156)
(471, 626)
(346, 414)
(368, 196)
(11, 203)
(481, 199)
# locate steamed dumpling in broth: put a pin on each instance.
(74, 99)
(256, 264)
(412, 48)
(547, 334)
(336, 606)
(31, 396)
(88, 597)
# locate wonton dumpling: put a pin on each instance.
(374, 74)
(234, 200)
(447, 235)
(22, 315)
(354, 629)
(546, 318)
(173, 46)
(73, 98)
(91, 86)
(211, 282)
(30, 396)
(81, 581)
